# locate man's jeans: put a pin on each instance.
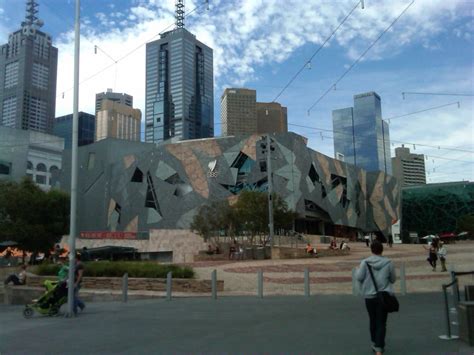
(378, 322)
(77, 301)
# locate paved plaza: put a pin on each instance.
(332, 275)
(334, 324)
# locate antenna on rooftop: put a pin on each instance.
(30, 18)
(179, 13)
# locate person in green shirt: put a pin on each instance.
(63, 271)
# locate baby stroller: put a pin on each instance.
(50, 302)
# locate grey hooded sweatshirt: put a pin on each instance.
(384, 274)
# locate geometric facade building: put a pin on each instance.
(435, 208)
(28, 153)
(179, 86)
(28, 70)
(86, 129)
(361, 137)
(408, 168)
(132, 187)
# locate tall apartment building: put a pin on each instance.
(116, 120)
(179, 86)
(242, 114)
(238, 112)
(361, 137)
(121, 98)
(408, 168)
(86, 129)
(272, 117)
(28, 70)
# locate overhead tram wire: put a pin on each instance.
(424, 110)
(308, 62)
(360, 57)
(205, 3)
(432, 93)
(391, 140)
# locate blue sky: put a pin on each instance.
(261, 44)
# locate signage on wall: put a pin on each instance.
(108, 235)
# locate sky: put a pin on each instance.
(261, 44)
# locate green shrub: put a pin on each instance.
(118, 268)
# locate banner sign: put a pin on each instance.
(108, 235)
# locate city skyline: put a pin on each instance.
(257, 46)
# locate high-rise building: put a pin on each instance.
(179, 86)
(86, 129)
(121, 98)
(116, 120)
(272, 117)
(361, 137)
(408, 168)
(238, 112)
(28, 70)
(242, 114)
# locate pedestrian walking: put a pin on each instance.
(432, 253)
(367, 240)
(78, 275)
(442, 256)
(383, 278)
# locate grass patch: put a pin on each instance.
(118, 268)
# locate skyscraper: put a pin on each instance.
(408, 168)
(86, 129)
(179, 86)
(28, 70)
(116, 120)
(239, 112)
(242, 114)
(272, 117)
(123, 99)
(361, 136)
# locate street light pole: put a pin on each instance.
(270, 189)
(75, 121)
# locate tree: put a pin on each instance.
(248, 216)
(33, 218)
(466, 223)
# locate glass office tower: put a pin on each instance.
(86, 129)
(179, 88)
(361, 135)
(28, 69)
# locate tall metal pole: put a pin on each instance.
(270, 190)
(75, 120)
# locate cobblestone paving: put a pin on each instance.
(333, 274)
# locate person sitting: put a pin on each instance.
(333, 244)
(344, 245)
(17, 279)
(310, 250)
(210, 250)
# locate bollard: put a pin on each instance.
(168, 286)
(260, 284)
(403, 281)
(355, 288)
(125, 288)
(214, 284)
(306, 282)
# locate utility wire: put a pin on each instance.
(424, 110)
(391, 141)
(308, 62)
(432, 93)
(360, 57)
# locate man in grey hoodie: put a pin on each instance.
(384, 274)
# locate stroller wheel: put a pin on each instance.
(28, 312)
